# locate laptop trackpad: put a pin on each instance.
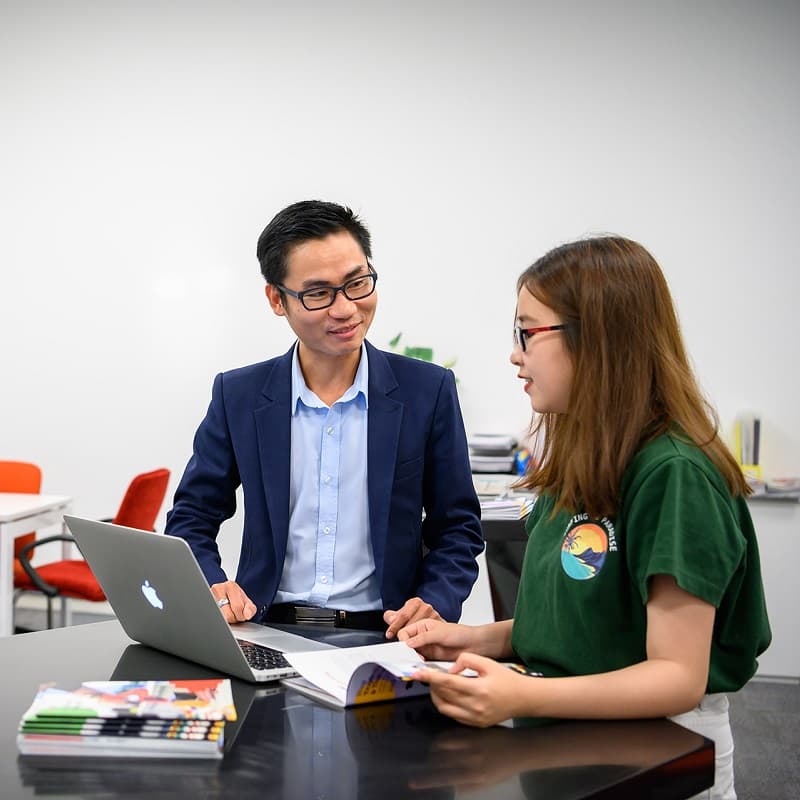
(278, 639)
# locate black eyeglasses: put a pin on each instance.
(323, 296)
(521, 335)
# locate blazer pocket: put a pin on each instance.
(408, 469)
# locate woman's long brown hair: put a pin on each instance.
(631, 379)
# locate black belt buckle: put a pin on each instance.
(310, 615)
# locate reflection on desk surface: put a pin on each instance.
(565, 759)
(400, 750)
(285, 746)
(141, 663)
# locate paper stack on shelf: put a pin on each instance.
(140, 719)
(489, 486)
(490, 452)
(509, 506)
(783, 487)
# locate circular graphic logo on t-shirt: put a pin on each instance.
(583, 551)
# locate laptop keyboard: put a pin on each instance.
(261, 658)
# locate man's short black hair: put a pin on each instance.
(299, 222)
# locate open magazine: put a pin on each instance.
(371, 674)
(355, 675)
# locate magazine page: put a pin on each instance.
(332, 670)
(375, 683)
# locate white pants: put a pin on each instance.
(711, 720)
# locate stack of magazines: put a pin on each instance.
(511, 505)
(140, 719)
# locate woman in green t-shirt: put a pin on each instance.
(640, 593)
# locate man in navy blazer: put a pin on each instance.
(339, 448)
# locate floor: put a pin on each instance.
(765, 717)
(34, 619)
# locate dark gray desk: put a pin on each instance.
(285, 746)
(506, 540)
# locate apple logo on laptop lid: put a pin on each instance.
(151, 595)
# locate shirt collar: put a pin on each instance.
(302, 394)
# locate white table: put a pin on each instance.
(21, 514)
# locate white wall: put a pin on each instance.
(144, 145)
(778, 526)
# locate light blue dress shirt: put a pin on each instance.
(329, 560)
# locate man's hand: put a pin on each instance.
(239, 607)
(414, 610)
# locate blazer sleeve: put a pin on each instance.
(451, 529)
(206, 495)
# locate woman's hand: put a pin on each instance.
(445, 641)
(495, 694)
(437, 640)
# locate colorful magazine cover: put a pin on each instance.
(209, 699)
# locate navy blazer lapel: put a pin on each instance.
(274, 433)
(384, 418)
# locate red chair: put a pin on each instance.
(20, 477)
(73, 578)
(142, 501)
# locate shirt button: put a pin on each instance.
(326, 529)
(323, 579)
(330, 431)
(327, 479)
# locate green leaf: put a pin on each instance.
(422, 353)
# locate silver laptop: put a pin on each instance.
(162, 599)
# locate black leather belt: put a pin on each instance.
(288, 614)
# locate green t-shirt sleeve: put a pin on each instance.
(679, 523)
